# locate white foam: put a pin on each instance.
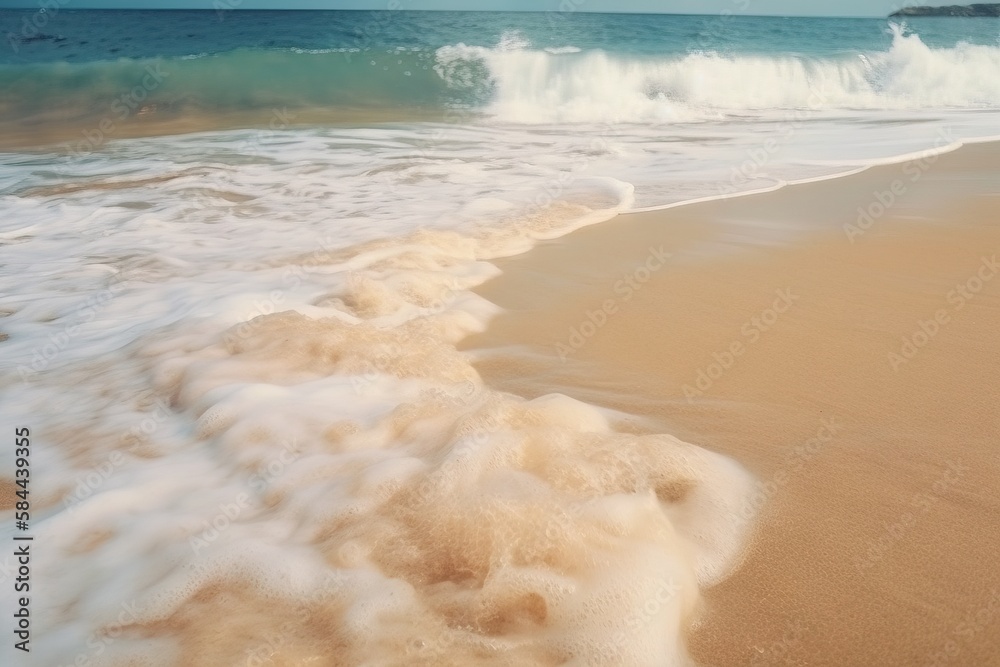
(271, 349)
(541, 86)
(296, 446)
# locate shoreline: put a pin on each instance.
(849, 170)
(906, 462)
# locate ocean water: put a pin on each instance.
(236, 348)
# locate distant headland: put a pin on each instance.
(991, 10)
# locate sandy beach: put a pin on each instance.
(576, 336)
(838, 339)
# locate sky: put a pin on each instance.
(748, 7)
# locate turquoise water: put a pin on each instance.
(223, 61)
(80, 36)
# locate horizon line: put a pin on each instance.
(450, 11)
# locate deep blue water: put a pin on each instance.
(80, 36)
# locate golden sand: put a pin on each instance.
(849, 362)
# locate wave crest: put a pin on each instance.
(540, 86)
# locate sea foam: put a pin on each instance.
(539, 86)
(332, 480)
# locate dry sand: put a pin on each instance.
(878, 535)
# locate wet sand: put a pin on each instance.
(848, 361)
(78, 135)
